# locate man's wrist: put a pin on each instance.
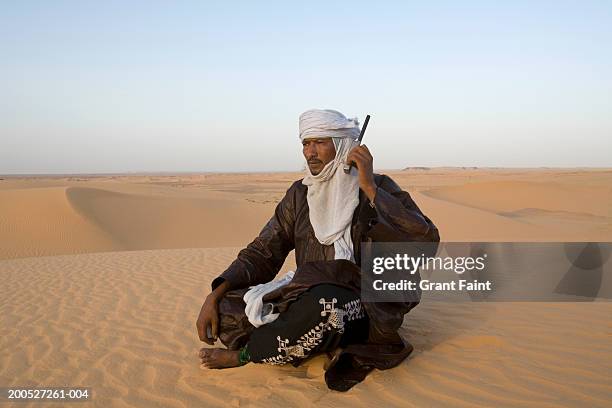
(370, 191)
(219, 291)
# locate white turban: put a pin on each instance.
(332, 194)
(317, 123)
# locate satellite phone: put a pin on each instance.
(347, 167)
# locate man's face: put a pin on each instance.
(318, 152)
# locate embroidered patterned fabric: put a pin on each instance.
(321, 319)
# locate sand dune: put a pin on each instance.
(41, 221)
(537, 211)
(49, 216)
(509, 196)
(123, 324)
(103, 278)
(68, 220)
(140, 221)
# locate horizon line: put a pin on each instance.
(199, 172)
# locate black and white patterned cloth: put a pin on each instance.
(321, 319)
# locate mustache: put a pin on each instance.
(314, 161)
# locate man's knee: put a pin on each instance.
(234, 325)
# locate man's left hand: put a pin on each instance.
(363, 160)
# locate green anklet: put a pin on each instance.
(244, 356)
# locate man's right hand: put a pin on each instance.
(208, 320)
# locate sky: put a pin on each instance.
(159, 86)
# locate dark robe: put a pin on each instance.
(394, 218)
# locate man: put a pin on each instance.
(324, 217)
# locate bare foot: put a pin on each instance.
(219, 358)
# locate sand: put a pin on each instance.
(103, 278)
